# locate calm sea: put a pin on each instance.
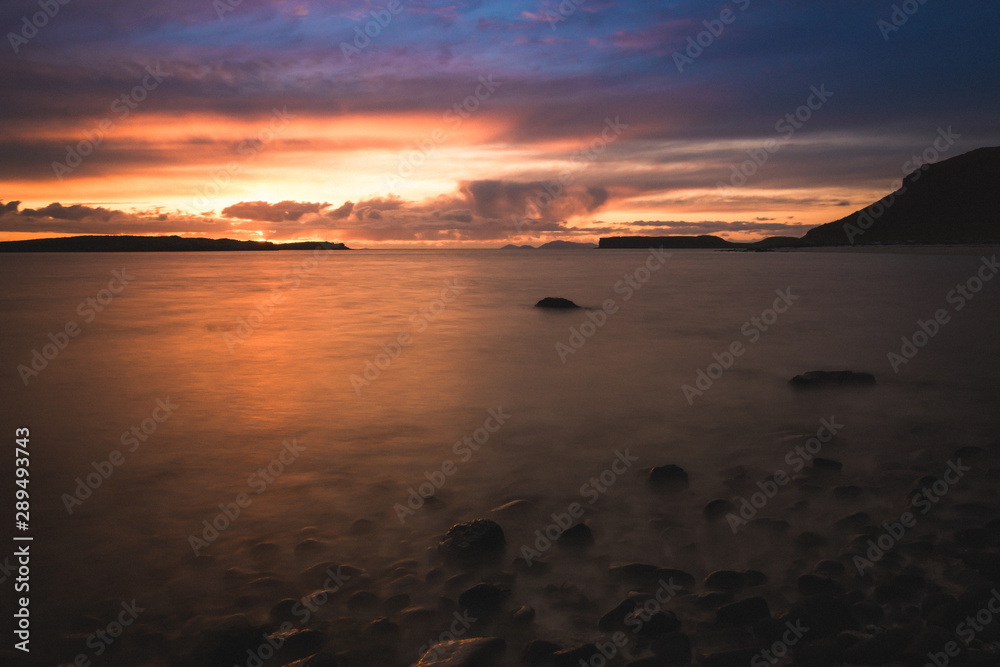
(366, 374)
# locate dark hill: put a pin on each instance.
(952, 201)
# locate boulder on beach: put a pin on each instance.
(556, 303)
(479, 540)
(816, 379)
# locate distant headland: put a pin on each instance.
(154, 244)
(948, 202)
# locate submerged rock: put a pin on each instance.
(483, 600)
(669, 477)
(728, 581)
(555, 302)
(474, 541)
(576, 537)
(718, 509)
(744, 612)
(814, 379)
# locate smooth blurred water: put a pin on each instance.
(165, 335)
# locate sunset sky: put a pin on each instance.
(478, 123)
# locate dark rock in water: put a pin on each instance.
(816, 584)
(478, 652)
(396, 603)
(483, 600)
(672, 576)
(309, 545)
(754, 578)
(282, 611)
(737, 658)
(538, 653)
(719, 508)
(615, 619)
(725, 580)
(479, 540)
(713, 600)
(555, 302)
(523, 615)
(381, 631)
(810, 540)
(572, 657)
(576, 537)
(814, 379)
(830, 568)
(673, 649)
(744, 612)
(652, 625)
(668, 478)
